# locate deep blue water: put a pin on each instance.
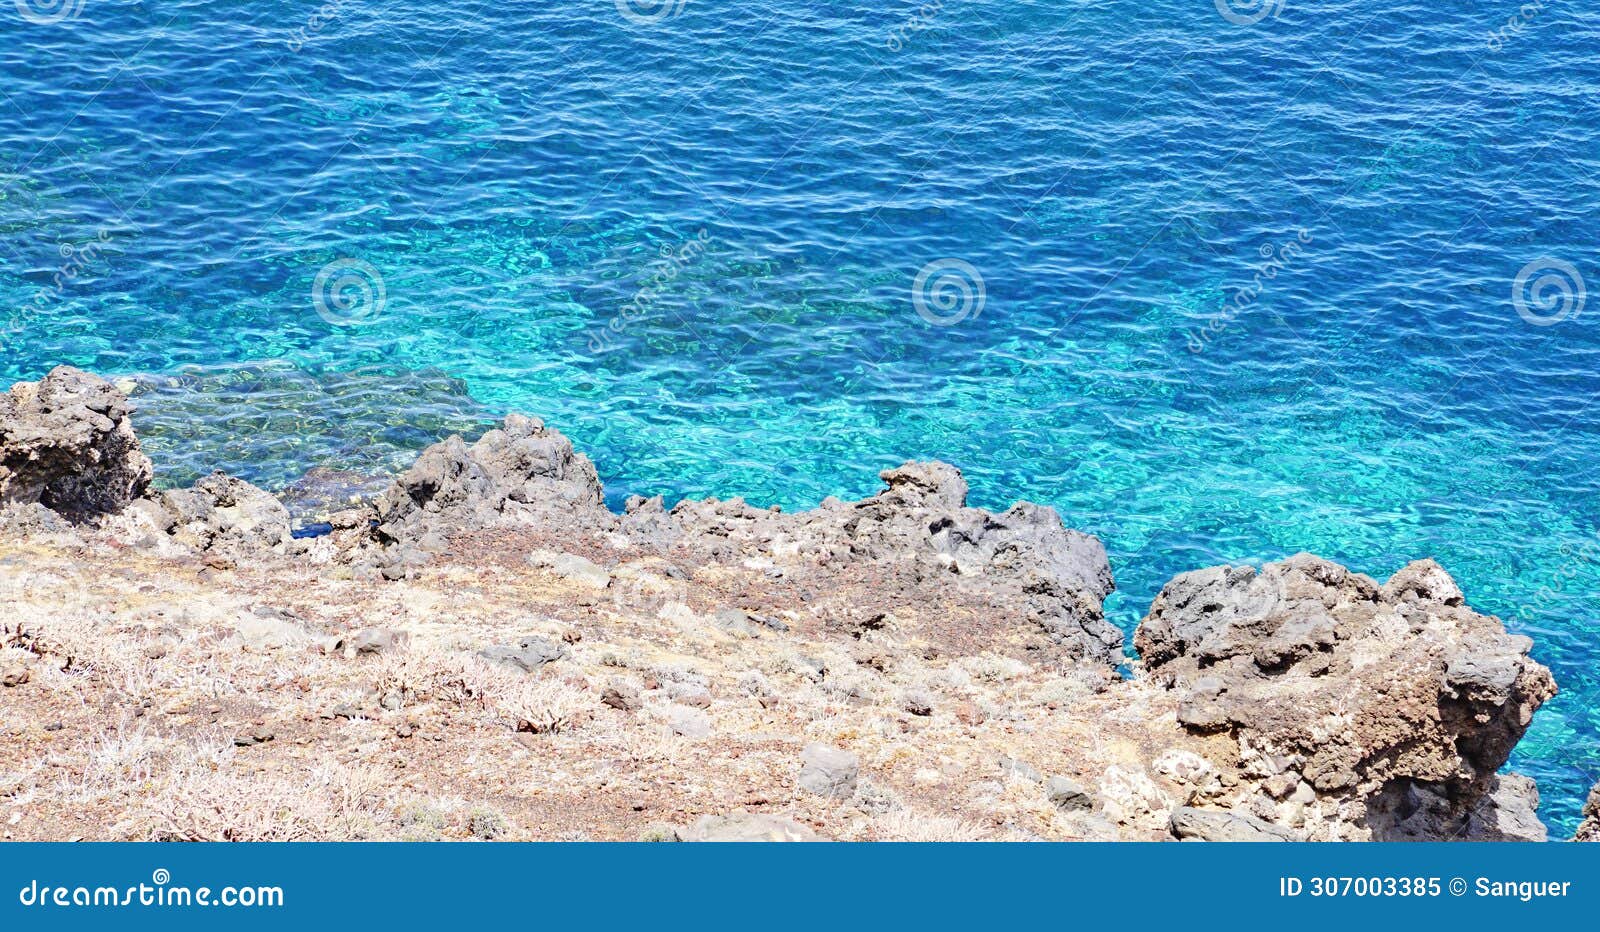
(1246, 289)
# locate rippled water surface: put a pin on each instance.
(1217, 290)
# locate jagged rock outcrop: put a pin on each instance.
(220, 512)
(520, 472)
(1024, 559)
(68, 451)
(66, 443)
(1589, 829)
(1359, 709)
(525, 474)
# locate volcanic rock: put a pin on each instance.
(1374, 695)
(66, 443)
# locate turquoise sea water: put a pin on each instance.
(1218, 290)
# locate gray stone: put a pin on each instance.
(735, 621)
(368, 641)
(829, 771)
(25, 520)
(768, 621)
(1068, 796)
(917, 702)
(529, 653)
(220, 512)
(1190, 824)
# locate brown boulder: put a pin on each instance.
(1396, 704)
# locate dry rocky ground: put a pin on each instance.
(485, 652)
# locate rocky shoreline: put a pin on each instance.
(483, 649)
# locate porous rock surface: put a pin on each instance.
(1368, 710)
(219, 512)
(66, 443)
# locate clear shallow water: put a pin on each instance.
(692, 245)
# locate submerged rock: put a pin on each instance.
(1386, 701)
(271, 420)
(321, 493)
(66, 443)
